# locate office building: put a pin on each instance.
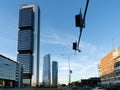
(46, 70)
(10, 73)
(54, 73)
(109, 68)
(94, 81)
(28, 41)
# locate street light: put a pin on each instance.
(70, 71)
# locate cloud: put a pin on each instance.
(87, 68)
(91, 47)
(53, 37)
(83, 65)
(80, 69)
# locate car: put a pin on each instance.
(98, 88)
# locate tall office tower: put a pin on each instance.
(46, 70)
(28, 41)
(54, 73)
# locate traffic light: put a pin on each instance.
(74, 45)
(70, 71)
(78, 20)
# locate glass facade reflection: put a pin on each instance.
(10, 72)
(7, 68)
(27, 61)
(28, 42)
(46, 70)
(25, 41)
(54, 73)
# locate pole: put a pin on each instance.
(69, 69)
(83, 21)
(69, 72)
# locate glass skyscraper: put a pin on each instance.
(54, 73)
(28, 41)
(46, 70)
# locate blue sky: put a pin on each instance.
(58, 32)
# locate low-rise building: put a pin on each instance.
(91, 81)
(10, 73)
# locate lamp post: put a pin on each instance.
(69, 70)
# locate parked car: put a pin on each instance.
(98, 88)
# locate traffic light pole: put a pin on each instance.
(80, 22)
(83, 22)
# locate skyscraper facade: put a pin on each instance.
(54, 73)
(28, 41)
(46, 70)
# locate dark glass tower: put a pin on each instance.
(28, 41)
(46, 70)
(54, 73)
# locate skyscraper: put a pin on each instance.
(46, 70)
(28, 41)
(54, 73)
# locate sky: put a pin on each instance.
(58, 32)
